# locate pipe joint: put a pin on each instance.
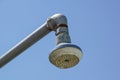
(56, 21)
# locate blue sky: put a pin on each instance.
(94, 25)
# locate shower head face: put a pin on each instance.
(65, 55)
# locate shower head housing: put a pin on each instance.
(65, 55)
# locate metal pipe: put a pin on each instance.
(24, 44)
(62, 35)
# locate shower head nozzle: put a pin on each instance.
(65, 55)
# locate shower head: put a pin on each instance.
(65, 55)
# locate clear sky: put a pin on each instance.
(94, 25)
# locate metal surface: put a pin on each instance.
(62, 35)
